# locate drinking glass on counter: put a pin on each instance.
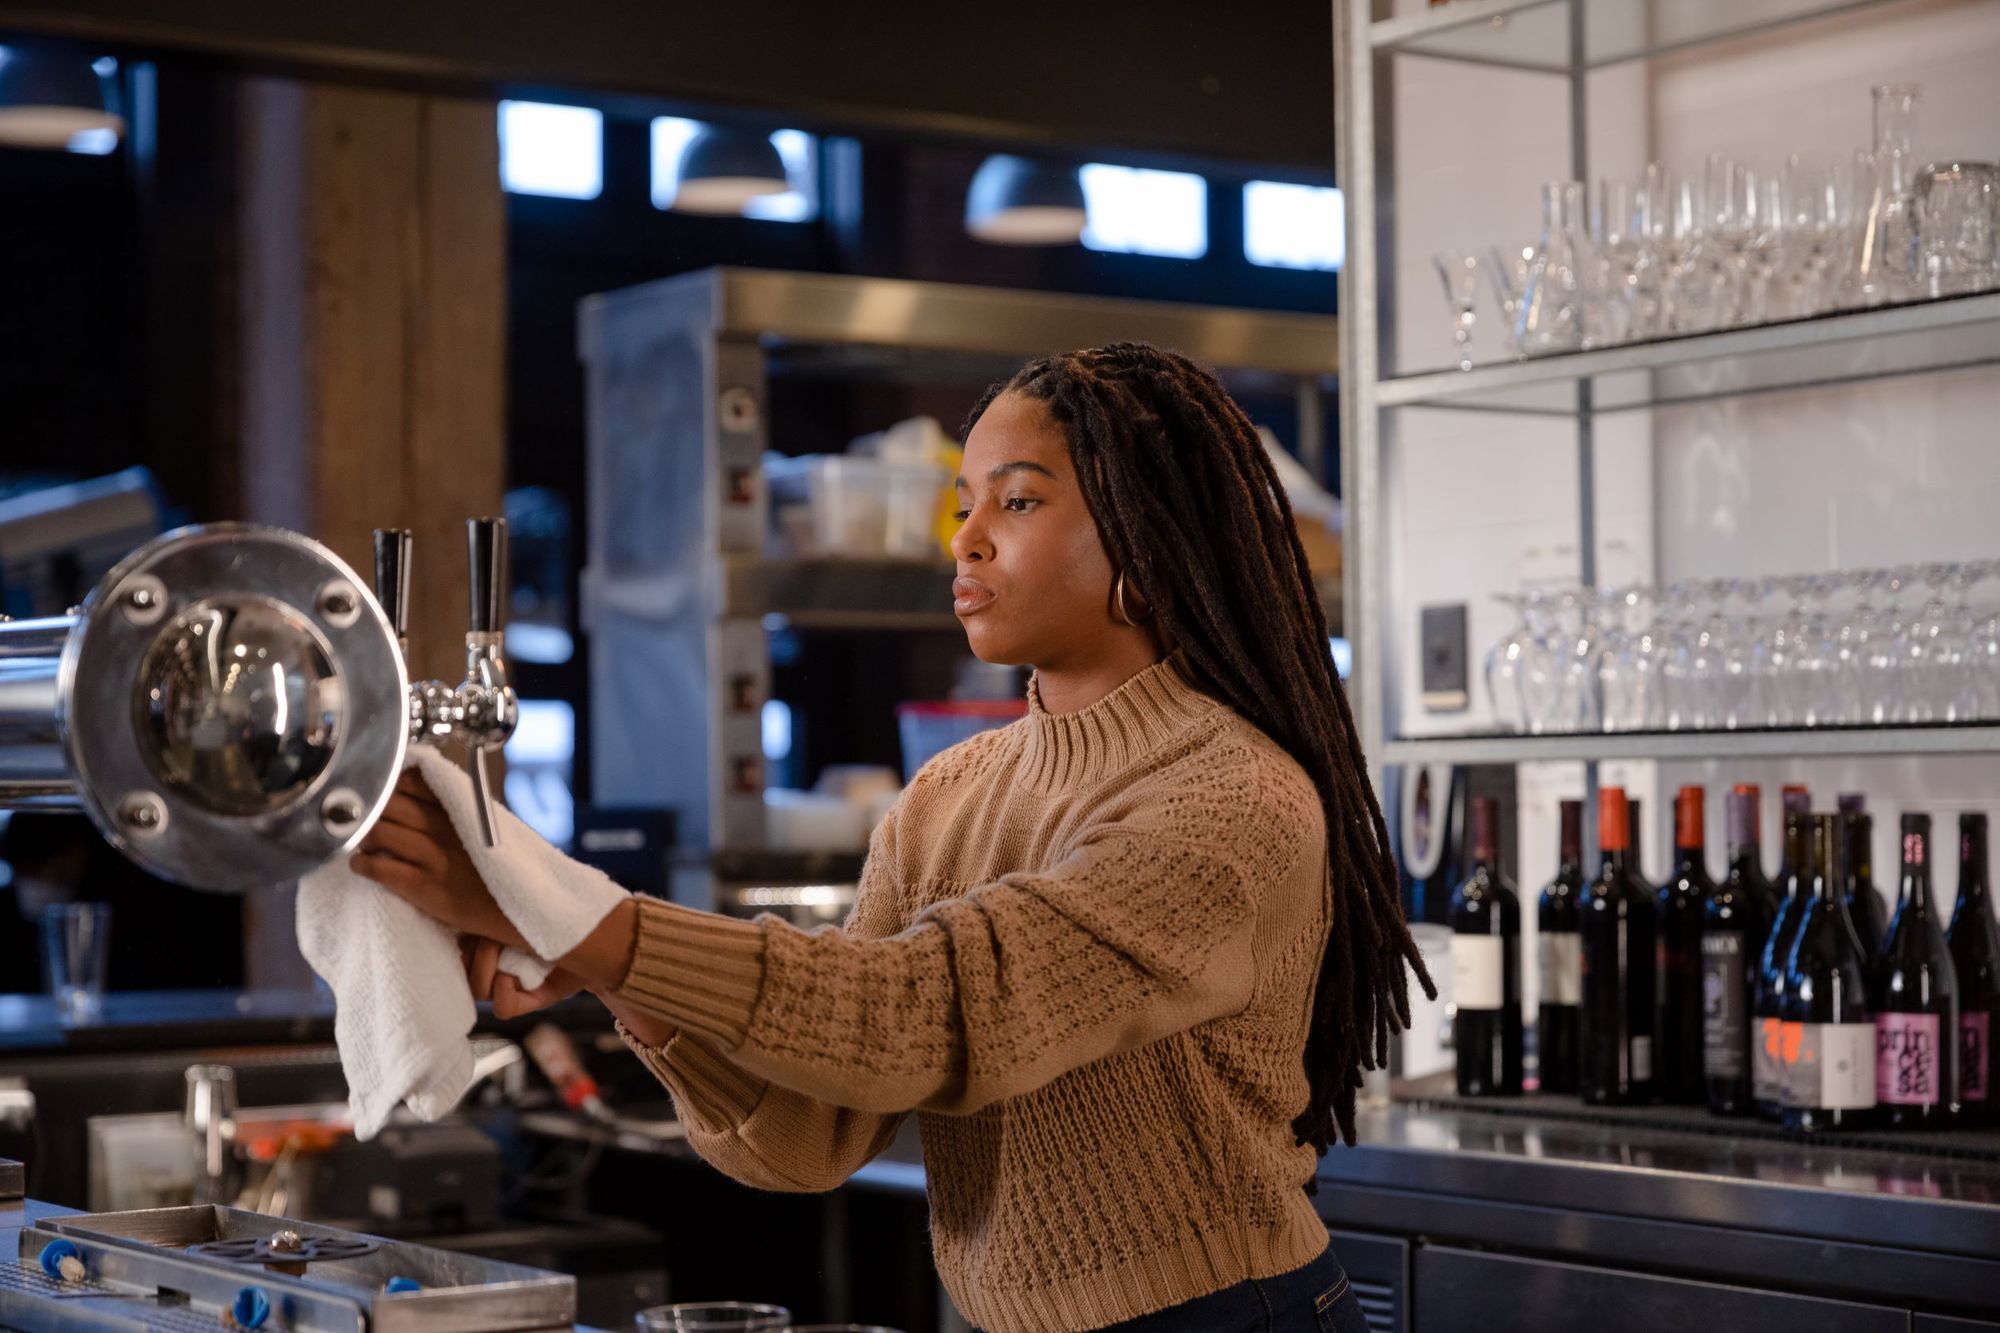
(715, 1317)
(1729, 654)
(76, 957)
(1730, 243)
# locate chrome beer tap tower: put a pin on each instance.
(231, 706)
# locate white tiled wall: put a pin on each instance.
(1809, 480)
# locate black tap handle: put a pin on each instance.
(486, 573)
(392, 577)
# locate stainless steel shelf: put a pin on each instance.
(841, 594)
(1826, 741)
(785, 310)
(1921, 337)
(1535, 34)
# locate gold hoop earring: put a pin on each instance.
(1118, 611)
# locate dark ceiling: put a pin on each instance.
(1176, 78)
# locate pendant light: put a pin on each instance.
(49, 99)
(723, 169)
(1024, 201)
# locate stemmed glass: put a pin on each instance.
(1507, 271)
(1815, 203)
(1680, 690)
(1544, 666)
(1741, 221)
(1922, 647)
(1742, 663)
(1626, 676)
(1955, 668)
(1815, 688)
(1982, 652)
(1581, 642)
(1506, 660)
(1884, 700)
(1854, 648)
(1460, 273)
(1618, 232)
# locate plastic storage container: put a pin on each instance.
(866, 507)
(928, 728)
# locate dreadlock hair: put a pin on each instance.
(1188, 505)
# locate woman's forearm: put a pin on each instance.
(605, 955)
(601, 962)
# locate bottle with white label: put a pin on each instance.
(1559, 951)
(1486, 967)
(1916, 1000)
(1620, 925)
(1829, 1023)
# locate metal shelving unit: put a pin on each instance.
(680, 597)
(1568, 39)
(1774, 744)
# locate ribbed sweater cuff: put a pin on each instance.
(699, 971)
(707, 1088)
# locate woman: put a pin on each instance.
(1125, 959)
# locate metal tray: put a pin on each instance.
(186, 1251)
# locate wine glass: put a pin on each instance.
(1459, 270)
(1815, 689)
(1982, 654)
(1582, 642)
(1507, 272)
(1626, 683)
(1543, 665)
(1884, 701)
(1923, 647)
(1505, 662)
(1680, 690)
(1854, 647)
(1815, 201)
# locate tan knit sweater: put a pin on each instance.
(1083, 953)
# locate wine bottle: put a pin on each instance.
(1752, 875)
(1485, 925)
(1975, 952)
(1864, 905)
(1682, 900)
(1767, 1005)
(1560, 955)
(1829, 1029)
(1732, 930)
(1792, 797)
(1618, 933)
(1916, 1000)
(1635, 845)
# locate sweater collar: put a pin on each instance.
(1068, 751)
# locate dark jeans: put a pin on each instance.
(1314, 1299)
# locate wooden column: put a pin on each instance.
(373, 281)
(374, 250)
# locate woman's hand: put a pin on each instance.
(510, 1000)
(414, 852)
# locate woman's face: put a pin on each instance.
(1034, 581)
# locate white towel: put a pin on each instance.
(402, 1007)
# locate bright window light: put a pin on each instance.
(551, 150)
(96, 142)
(1294, 226)
(777, 719)
(540, 754)
(671, 135)
(1134, 211)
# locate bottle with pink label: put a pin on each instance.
(1916, 1000)
(1975, 952)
